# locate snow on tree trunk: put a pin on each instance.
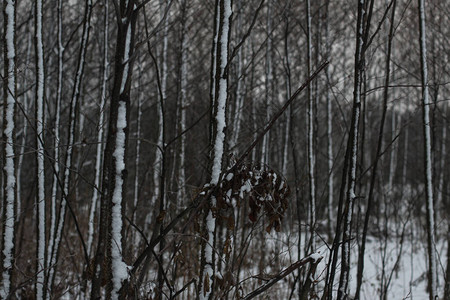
(40, 194)
(109, 265)
(9, 184)
(432, 279)
(70, 143)
(98, 158)
(119, 268)
(222, 92)
(221, 57)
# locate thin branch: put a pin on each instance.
(309, 259)
(246, 35)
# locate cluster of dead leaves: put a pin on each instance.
(265, 190)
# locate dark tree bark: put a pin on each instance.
(376, 158)
(109, 266)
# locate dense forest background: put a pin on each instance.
(225, 149)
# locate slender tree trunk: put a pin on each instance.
(240, 84)
(40, 194)
(432, 279)
(310, 135)
(288, 93)
(9, 170)
(213, 87)
(268, 84)
(353, 154)
(206, 283)
(181, 192)
(440, 196)
(138, 154)
(24, 134)
(447, 272)
(98, 157)
(159, 143)
(109, 264)
(56, 139)
(392, 158)
(376, 158)
(70, 144)
(329, 125)
(159, 171)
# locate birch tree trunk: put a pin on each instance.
(24, 134)
(181, 192)
(158, 156)
(310, 135)
(268, 84)
(432, 278)
(98, 158)
(9, 170)
(329, 124)
(40, 188)
(70, 143)
(57, 136)
(138, 153)
(288, 92)
(240, 84)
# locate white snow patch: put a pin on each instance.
(119, 268)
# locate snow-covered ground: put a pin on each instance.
(408, 278)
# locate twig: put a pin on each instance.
(309, 259)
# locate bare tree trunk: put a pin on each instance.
(159, 170)
(181, 192)
(206, 283)
(240, 84)
(138, 154)
(268, 84)
(310, 135)
(353, 152)
(9, 170)
(57, 138)
(329, 125)
(109, 264)
(98, 157)
(70, 143)
(288, 92)
(40, 188)
(376, 158)
(432, 279)
(447, 272)
(440, 195)
(24, 134)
